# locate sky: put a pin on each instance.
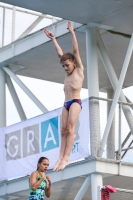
(38, 87)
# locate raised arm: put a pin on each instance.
(34, 185)
(75, 46)
(56, 45)
(48, 190)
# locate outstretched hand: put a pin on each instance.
(69, 26)
(48, 33)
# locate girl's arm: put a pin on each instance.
(33, 184)
(48, 190)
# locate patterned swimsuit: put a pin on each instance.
(68, 104)
(38, 194)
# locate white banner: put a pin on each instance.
(22, 144)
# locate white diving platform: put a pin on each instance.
(110, 13)
(67, 183)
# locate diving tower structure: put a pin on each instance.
(104, 27)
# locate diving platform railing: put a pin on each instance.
(120, 137)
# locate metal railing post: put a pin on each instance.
(120, 109)
(13, 23)
(3, 28)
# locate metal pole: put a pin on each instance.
(96, 181)
(119, 154)
(3, 29)
(2, 99)
(25, 89)
(116, 96)
(92, 60)
(126, 150)
(128, 100)
(83, 188)
(111, 136)
(93, 89)
(13, 23)
(99, 193)
(113, 79)
(15, 98)
(111, 100)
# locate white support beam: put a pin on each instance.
(2, 99)
(113, 79)
(13, 22)
(83, 188)
(128, 100)
(116, 96)
(92, 60)
(32, 26)
(128, 148)
(15, 98)
(96, 182)
(119, 132)
(111, 136)
(93, 88)
(3, 28)
(30, 42)
(26, 90)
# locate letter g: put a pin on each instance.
(15, 147)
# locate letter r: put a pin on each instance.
(30, 133)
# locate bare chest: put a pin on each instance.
(73, 81)
(73, 78)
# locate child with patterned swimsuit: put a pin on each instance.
(40, 184)
(73, 67)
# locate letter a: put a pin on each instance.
(51, 138)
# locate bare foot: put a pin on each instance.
(62, 165)
(56, 165)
